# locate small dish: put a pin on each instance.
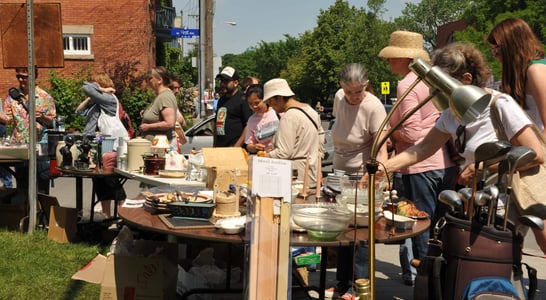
(400, 222)
(232, 230)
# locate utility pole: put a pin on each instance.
(206, 9)
(208, 39)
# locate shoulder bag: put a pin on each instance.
(528, 189)
(111, 125)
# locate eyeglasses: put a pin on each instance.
(19, 77)
(460, 142)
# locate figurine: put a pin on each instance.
(67, 153)
(84, 157)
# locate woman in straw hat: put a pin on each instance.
(423, 181)
(300, 136)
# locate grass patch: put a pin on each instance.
(34, 267)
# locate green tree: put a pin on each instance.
(427, 15)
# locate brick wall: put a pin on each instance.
(123, 31)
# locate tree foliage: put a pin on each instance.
(427, 15)
(344, 34)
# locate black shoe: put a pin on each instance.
(409, 282)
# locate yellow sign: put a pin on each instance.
(385, 88)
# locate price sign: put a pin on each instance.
(385, 88)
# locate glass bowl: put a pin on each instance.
(323, 221)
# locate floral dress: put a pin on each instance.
(44, 104)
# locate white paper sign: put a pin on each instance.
(271, 177)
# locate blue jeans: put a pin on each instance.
(344, 271)
(423, 189)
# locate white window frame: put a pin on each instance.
(72, 32)
(71, 48)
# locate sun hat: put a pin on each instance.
(405, 44)
(228, 73)
(277, 87)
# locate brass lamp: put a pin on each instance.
(466, 102)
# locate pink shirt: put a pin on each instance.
(260, 128)
(414, 129)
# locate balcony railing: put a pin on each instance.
(164, 21)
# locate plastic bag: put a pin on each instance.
(112, 126)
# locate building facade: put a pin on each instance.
(100, 33)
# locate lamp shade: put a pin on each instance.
(466, 102)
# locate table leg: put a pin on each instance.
(79, 195)
(93, 202)
(323, 265)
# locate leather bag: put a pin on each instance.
(473, 250)
(528, 189)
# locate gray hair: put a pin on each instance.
(354, 72)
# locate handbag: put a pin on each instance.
(112, 125)
(527, 186)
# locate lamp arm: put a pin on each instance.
(376, 145)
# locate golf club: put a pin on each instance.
(532, 221)
(465, 194)
(517, 157)
(501, 172)
(493, 152)
(490, 153)
(453, 200)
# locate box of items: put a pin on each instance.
(226, 159)
(141, 269)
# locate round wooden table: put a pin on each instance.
(142, 219)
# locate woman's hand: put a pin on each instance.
(144, 127)
(467, 175)
(108, 90)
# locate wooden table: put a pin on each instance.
(79, 175)
(141, 219)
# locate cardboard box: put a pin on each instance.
(62, 224)
(149, 272)
(226, 159)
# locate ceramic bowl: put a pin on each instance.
(323, 221)
(199, 210)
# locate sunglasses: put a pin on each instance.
(460, 142)
(18, 76)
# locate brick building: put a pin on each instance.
(97, 34)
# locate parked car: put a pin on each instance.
(200, 135)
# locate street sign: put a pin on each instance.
(184, 32)
(385, 88)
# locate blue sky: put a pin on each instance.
(265, 20)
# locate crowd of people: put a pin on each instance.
(268, 120)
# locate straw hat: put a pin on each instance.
(405, 44)
(277, 87)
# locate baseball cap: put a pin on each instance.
(228, 73)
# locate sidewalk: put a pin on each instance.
(388, 278)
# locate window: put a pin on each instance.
(76, 44)
(77, 41)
